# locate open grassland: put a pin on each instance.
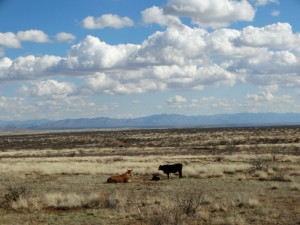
(231, 176)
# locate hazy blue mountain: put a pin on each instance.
(19, 124)
(160, 121)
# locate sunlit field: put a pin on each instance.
(230, 176)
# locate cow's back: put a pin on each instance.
(173, 168)
(111, 180)
(124, 178)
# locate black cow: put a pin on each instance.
(174, 168)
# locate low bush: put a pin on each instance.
(183, 209)
(260, 163)
(190, 201)
(15, 193)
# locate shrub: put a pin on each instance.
(183, 209)
(14, 194)
(246, 202)
(118, 159)
(281, 178)
(26, 203)
(167, 215)
(260, 163)
(111, 202)
(295, 187)
(190, 201)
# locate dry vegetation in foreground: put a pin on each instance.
(231, 176)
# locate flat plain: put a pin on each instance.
(230, 176)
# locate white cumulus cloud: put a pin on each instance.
(212, 13)
(278, 35)
(49, 88)
(65, 37)
(14, 107)
(157, 15)
(92, 53)
(178, 58)
(115, 84)
(177, 99)
(27, 67)
(107, 20)
(9, 40)
(100, 82)
(177, 45)
(5, 63)
(33, 36)
(268, 97)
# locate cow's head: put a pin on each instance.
(129, 172)
(160, 167)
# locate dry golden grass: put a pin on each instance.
(295, 187)
(197, 167)
(231, 176)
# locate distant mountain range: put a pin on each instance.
(159, 121)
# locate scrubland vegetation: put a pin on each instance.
(231, 176)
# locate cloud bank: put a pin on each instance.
(179, 57)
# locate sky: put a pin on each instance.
(131, 58)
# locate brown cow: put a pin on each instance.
(123, 178)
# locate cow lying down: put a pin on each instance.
(174, 168)
(123, 178)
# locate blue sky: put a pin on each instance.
(119, 58)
